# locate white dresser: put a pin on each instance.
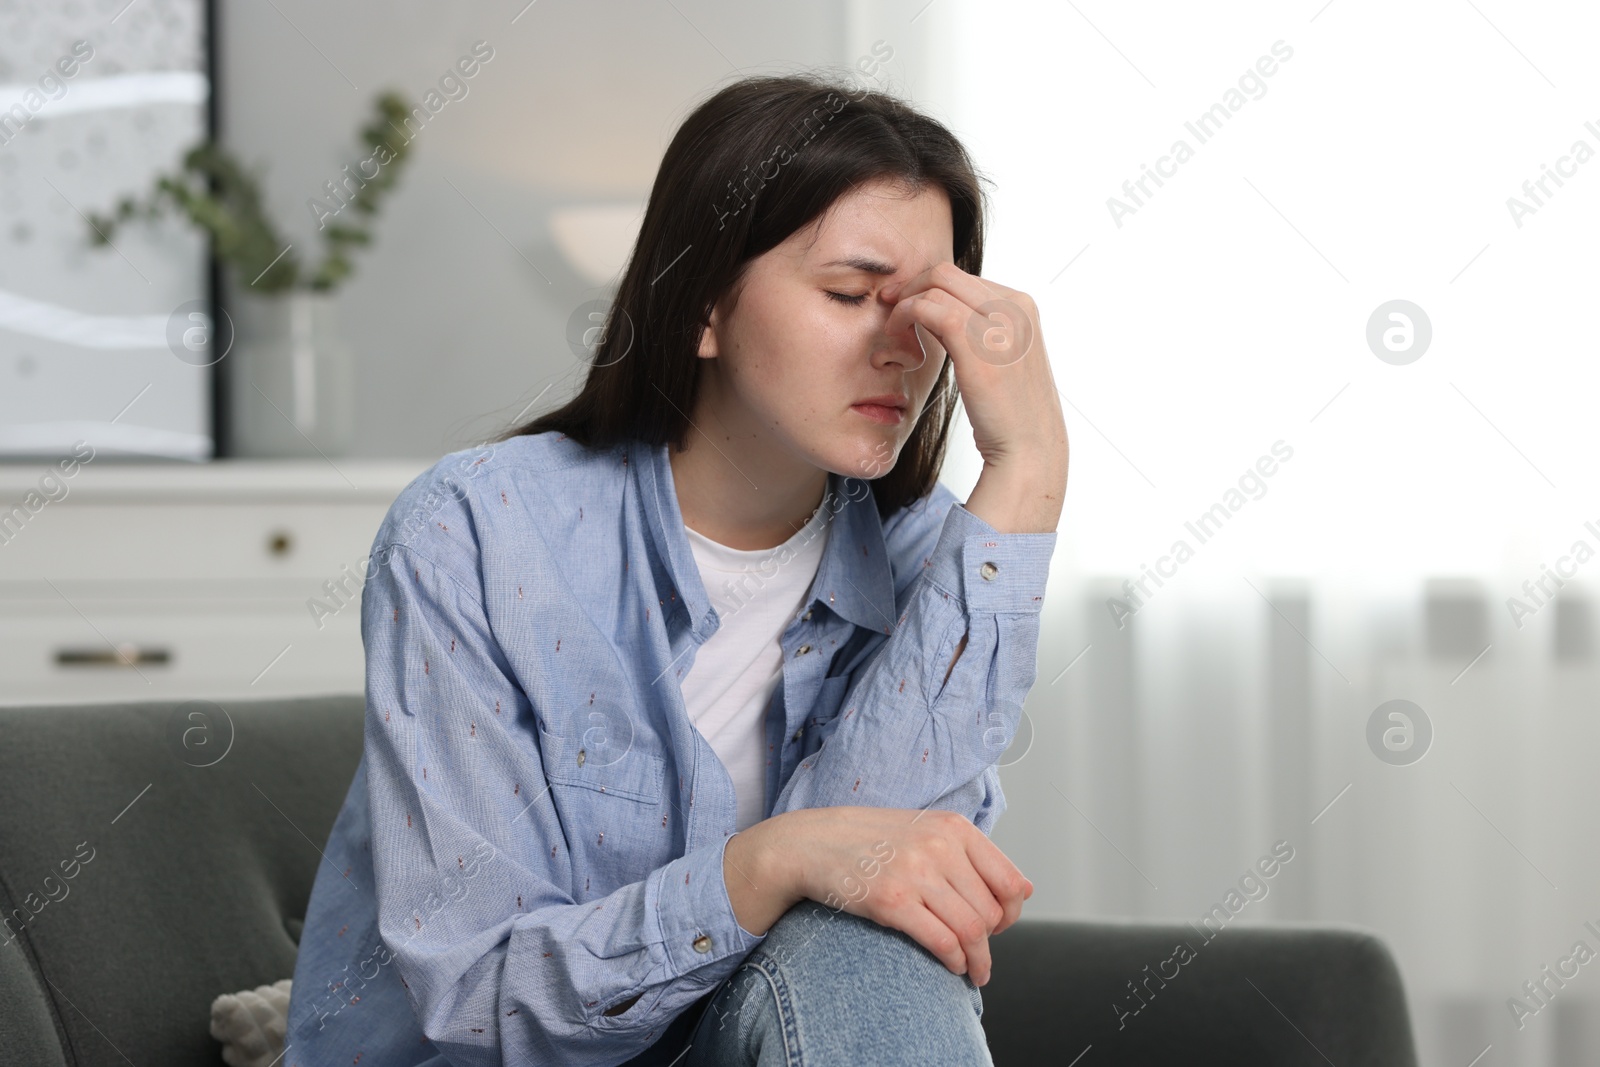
(136, 581)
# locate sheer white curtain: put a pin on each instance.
(1229, 313)
(1174, 753)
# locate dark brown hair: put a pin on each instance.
(753, 164)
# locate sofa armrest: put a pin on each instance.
(1283, 993)
(190, 873)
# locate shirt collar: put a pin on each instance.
(854, 578)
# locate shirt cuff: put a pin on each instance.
(987, 570)
(698, 924)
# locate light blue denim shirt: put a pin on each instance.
(534, 832)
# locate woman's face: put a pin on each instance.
(805, 342)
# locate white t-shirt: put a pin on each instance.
(736, 671)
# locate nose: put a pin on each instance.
(903, 346)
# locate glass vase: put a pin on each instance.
(292, 381)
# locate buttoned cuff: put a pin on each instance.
(698, 924)
(987, 570)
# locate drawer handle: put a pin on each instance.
(121, 656)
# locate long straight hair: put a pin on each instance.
(753, 164)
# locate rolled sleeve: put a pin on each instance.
(908, 736)
(698, 924)
(988, 571)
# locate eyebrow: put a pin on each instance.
(864, 263)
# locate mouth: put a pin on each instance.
(881, 409)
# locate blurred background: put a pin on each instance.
(1316, 280)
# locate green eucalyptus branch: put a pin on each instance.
(390, 148)
(223, 198)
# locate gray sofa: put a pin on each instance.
(192, 834)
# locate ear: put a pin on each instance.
(708, 334)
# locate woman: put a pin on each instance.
(615, 804)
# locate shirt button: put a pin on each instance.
(702, 943)
(806, 616)
(988, 570)
(580, 757)
(802, 650)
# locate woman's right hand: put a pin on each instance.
(933, 875)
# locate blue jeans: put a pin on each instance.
(827, 987)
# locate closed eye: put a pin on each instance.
(845, 298)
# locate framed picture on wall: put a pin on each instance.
(103, 349)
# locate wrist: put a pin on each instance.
(761, 882)
(781, 855)
(1019, 500)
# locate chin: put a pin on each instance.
(868, 459)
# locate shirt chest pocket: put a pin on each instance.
(633, 773)
(823, 718)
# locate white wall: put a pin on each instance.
(456, 326)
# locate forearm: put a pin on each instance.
(936, 703)
(1020, 499)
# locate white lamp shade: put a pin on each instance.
(597, 239)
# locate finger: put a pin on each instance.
(966, 924)
(968, 288)
(975, 891)
(932, 933)
(1006, 922)
(989, 903)
(977, 895)
(1010, 912)
(1005, 881)
(940, 314)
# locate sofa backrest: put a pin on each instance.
(152, 856)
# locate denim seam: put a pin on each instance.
(769, 969)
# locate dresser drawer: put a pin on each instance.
(146, 650)
(178, 542)
(230, 579)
